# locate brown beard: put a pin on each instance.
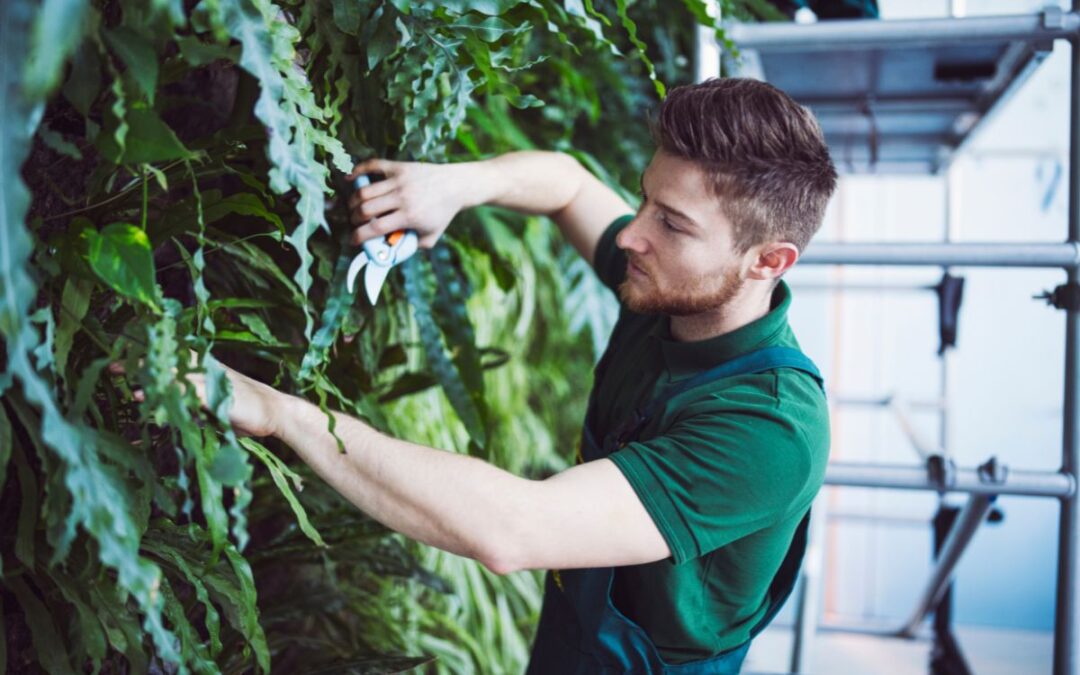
(685, 301)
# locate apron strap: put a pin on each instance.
(757, 361)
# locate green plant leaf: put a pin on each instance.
(281, 474)
(58, 29)
(488, 7)
(138, 55)
(146, 138)
(419, 288)
(84, 81)
(120, 255)
(85, 626)
(631, 31)
(48, 644)
(74, 303)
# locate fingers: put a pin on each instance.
(379, 227)
(375, 165)
(372, 191)
(375, 208)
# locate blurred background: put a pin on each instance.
(1004, 384)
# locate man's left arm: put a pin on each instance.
(586, 516)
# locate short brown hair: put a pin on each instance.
(764, 154)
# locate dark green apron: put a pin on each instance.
(581, 632)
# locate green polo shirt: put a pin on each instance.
(726, 470)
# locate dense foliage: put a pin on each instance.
(182, 164)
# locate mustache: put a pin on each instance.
(636, 262)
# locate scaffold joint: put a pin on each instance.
(1066, 296)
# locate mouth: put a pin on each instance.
(634, 270)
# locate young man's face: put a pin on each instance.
(680, 246)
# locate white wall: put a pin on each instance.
(1006, 376)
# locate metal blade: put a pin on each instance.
(373, 281)
(355, 266)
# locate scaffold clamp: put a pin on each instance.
(941, 472)
(1066, 296)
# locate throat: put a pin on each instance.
(720, 321)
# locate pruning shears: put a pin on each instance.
(380, 254)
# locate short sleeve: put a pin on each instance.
(720, 472)
(609, 261)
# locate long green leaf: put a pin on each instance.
(419, 283)
(631, 31)
(47, 641)
(281, 474)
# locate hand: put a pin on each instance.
(415, 195)
(255, 409)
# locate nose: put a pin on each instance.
(630, 237)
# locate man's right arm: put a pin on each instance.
(426, 197)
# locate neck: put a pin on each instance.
(749, 304)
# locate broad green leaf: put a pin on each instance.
(488, 7)
(58, 29)
(347, 16)
(146, 138)
(84, 81)
(490, 29)
(383, 42)
(138, 55)
(199, 53)
(120, 255)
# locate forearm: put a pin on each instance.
(531, 181)
(453, 502)
(549, 183)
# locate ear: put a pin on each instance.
(771, 260)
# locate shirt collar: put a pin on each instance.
(686, 358)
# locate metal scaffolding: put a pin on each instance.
(878, 115)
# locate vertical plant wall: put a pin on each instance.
(172, 188)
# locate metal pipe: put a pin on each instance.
(1016, 482)
(1065, 255)
(860, 287)
(963, 530)
(862, 33)
(1066, 624)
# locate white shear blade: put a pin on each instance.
(354, 268)
(373, 281)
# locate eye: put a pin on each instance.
(667, 223)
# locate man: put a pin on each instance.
(706, 436)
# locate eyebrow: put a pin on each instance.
(666, 207)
